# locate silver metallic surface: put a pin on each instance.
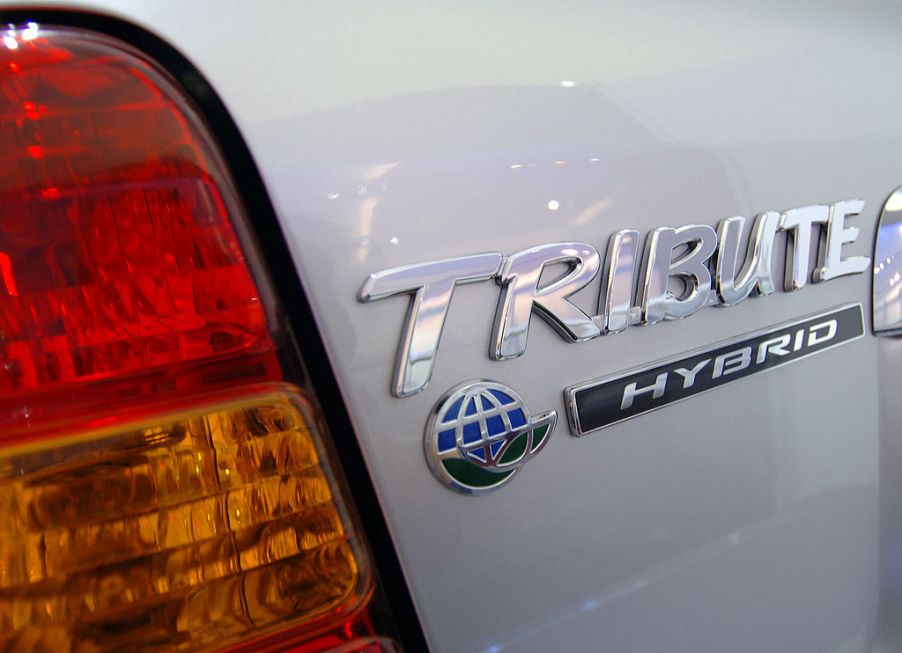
(521, 294)
(432, 285)
(832, 263)
(731, 284)
(887, 293)
(799, 224)
(621, 261)
(658, 301)
(389, 133)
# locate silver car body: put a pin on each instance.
(761, 516)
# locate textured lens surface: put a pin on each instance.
(187, 533)
(117, 248)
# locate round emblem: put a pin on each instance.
(481, 434)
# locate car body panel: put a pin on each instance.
(745, 519)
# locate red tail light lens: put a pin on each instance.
(160, 487)
(118, 252)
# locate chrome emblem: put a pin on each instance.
(480, 435)
(682, 269)
(887, 305)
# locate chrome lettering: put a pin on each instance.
(617, 285)
(833, 265)
(731, 286)
(707, 262)
(773, 346)
(689, 375)
(630, 392)
(658, 302)
(432, 285)
(799, 223)
(732, 362)
(815, 339)
(520, 295)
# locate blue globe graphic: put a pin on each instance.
(480, 435)
(480, 423)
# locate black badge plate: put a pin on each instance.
(596, 404)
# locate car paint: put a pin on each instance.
(746, 519)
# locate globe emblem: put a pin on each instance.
(481, 434)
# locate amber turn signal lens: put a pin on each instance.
(188, 533)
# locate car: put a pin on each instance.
(452, 327)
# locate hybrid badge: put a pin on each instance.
(480, 435)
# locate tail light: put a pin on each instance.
(162, 486)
